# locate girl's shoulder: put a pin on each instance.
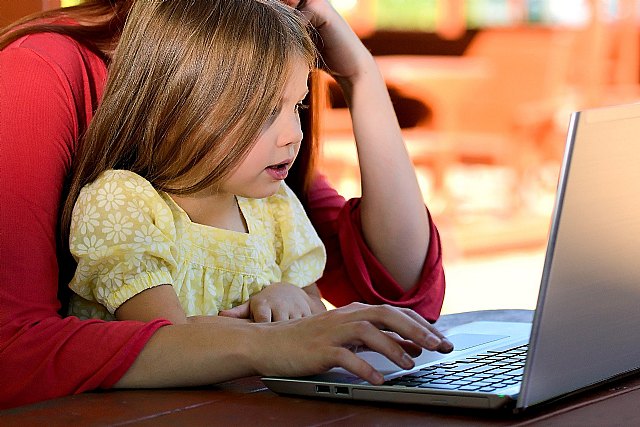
(121, 178)
(118, 184)
(125, 196)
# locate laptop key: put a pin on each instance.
(442, 381)
(471, 387)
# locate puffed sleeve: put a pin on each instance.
(301, 255)
(353, 273)
(123, 238)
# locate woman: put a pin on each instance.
(52, 73)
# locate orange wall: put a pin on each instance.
(10, 10)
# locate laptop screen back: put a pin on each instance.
(587, 326)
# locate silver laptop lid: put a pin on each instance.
(587, 325)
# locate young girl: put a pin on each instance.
(381, 249)
(183, 210)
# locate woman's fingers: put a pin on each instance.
(410, 347)
(314, 344)
(445, 345)
(404, 322)
(376, 340)
(358, 367)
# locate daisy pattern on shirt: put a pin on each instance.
(300, 272)
(91, 246)
(148, 237)
(144, 239)
(295, 241)
(117, 227)
(110, 196)
(88, 219)
(137, 209)
(135, 186)
(111, 277)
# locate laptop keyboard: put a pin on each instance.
(485, 372)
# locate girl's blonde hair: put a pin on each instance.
(191, 84)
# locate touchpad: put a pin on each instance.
(465, 341)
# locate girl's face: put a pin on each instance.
(268, 162)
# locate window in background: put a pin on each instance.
(423, 15)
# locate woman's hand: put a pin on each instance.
(318, 343)
(225, 348)
(279, 301)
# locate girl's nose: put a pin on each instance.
(292, 134)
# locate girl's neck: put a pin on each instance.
(219, 210)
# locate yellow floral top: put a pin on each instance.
(128, 237)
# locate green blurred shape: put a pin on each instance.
(67, 3)
(418, 15)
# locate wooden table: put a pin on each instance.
(247, 402)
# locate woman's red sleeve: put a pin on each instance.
(49, 87)
(353, 273)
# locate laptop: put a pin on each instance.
(586, 327)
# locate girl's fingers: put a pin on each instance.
(241, 311)
(261, 313)
(279, 314)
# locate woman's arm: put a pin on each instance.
(227, 348)
(394, 220)
(353, 273)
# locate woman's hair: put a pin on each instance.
(190, 86)
(94, 23)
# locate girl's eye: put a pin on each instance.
(301, 106)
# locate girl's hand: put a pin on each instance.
(318, 343)
(279, 301)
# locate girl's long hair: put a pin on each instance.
(190, 86)
(98, 25)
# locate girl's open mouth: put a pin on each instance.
(279, 171)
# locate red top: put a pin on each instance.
(49, 87)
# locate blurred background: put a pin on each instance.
(483, 90)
